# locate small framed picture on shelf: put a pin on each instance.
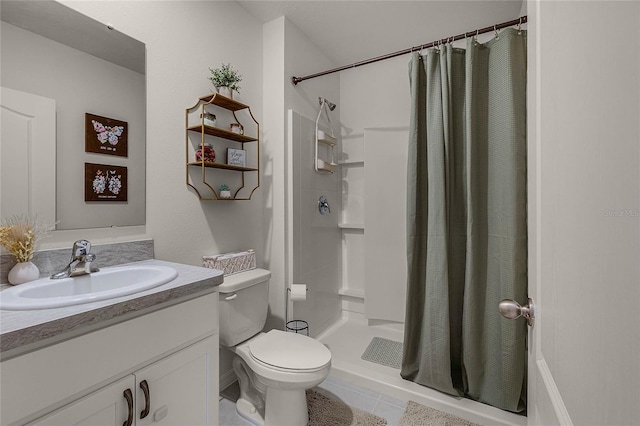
(237, 157)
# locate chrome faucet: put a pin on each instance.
(81, 261)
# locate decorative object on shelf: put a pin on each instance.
(236, 128)
(225, 79)
(209, 154)
(209, 119)
(231, 263)
(18, 236)
(105, 182)
(104, 135)
(224, 191)
(236, 157)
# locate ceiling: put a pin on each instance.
(60, 23)
(351, 31)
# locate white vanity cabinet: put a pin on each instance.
(172, 391)
(166, 360)
(104, 407)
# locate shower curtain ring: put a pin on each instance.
(520, 26)
(496, 31)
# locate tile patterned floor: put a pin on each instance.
(365, 399)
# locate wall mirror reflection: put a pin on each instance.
(57, 66)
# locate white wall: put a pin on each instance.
(183, 39)
(81, 83)
(315, 249)
(274, 160)
(287, 52)
(316, 254)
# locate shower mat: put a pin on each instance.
(384, 351)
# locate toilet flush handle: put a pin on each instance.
(233, 296)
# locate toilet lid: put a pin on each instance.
(290, 351)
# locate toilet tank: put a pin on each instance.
(244, 302)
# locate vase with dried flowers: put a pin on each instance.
(18, 236)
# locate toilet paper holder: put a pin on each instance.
(296, 325)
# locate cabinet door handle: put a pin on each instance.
(147, 399)
(128, 395)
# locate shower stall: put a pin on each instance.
(353, 297)
(353, 259)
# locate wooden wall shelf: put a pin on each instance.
(243, 187)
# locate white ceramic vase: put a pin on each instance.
(23, 272)
(225, 91)
(225, 194)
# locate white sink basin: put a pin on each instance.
(106, 284)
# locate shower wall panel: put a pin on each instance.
(315, 246)
(385, 238)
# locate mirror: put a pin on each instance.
(84, 67)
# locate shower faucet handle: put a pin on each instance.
(323, 205)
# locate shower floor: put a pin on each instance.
(349, 338)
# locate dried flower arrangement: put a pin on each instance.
(19, 235)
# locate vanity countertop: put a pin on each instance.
(24, 331)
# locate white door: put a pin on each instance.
(105, 407)
(27, 155)
(584, 216)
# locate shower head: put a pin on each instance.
(331, 105)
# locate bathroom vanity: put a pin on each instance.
(151, 357)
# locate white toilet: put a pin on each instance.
(273, 368)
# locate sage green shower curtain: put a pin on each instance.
(467, 225)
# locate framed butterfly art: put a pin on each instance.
(104, 135)
(103, 182)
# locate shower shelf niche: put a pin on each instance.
(244, 178)
(349, 225)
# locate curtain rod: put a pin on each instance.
(519, 21)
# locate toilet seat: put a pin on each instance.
(289, 352)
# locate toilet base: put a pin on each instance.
(283, 408)
(286, 407)
(247, 411)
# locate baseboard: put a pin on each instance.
(227, 378)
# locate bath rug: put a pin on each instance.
(325, 411)
(419, 415)
(384, 351)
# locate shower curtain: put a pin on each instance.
(466, 223)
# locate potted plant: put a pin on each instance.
(225, 79)
(224, 191)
